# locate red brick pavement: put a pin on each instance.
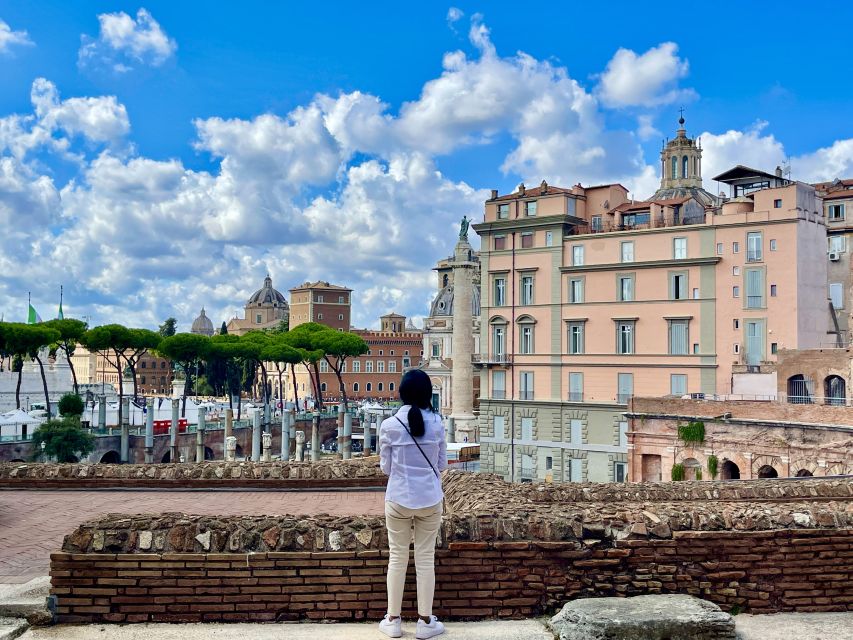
(34, 523)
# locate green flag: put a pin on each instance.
(33, 317)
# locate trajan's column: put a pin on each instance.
(462, 374)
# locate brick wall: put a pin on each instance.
(769, 411)
(759, 572)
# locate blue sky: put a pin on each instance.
(158, 157)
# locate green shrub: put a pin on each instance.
(713, 463)
(71, 405)
(678, 472)
(64, 440)
(693, 431)
(698, 474)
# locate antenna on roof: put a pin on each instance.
(786, 168)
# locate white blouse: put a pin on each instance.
(411, 481)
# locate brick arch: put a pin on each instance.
(772, 461)
(804, 464)
(736, 457)
(835, 468)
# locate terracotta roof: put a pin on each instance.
(836, 184)
(840, 194)
(320, 284)
(671, 201)
(532, 192)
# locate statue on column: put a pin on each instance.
(463, 228)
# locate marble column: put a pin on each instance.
(102, 413)
(149, 431)
(347, 444)
(462, 350)
(229, 426)
(173, 430)
(199, 435)
(256, 435)
(285, 435)
(230, 448)
(300, 446)
(125, 430)
(315, 438)
(266, 441)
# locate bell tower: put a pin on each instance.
(681, 160)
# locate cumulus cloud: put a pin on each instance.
(124, 41)
(9, 38)
(646, 80)
(454, 15)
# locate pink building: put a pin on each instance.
(589, 298)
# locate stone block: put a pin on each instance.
(655, 617)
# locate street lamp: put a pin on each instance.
(43, 445)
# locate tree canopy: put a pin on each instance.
(64, 440)
(71, 331)
(168, 328)
(185, 349)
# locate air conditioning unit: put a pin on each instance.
(834, 256)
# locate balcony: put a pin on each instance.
(754, 256)
(525, 394)
(498, 394)
(491, 359)
(575, 396)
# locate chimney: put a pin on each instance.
(521, 188)
(778, 171)
(494, 194)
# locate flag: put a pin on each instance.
(33, 317)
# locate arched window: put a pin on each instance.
(835, 391)
(674, 167)
(322, 386)
(369, 387)
(799, 389)
(355, 386)
(390, 386)
(444, 280)
(684, 167)
(379, 387)
(729, 471)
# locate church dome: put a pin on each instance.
(266, 295)
(202, 325)
(443, 303)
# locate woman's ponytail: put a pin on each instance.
(416, 422)
(416, 391)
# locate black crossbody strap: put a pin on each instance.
(418, 446)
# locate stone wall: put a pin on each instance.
(333, 473)
(771, 412)
(504, 551)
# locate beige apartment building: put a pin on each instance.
(838, 204)
(590, 298)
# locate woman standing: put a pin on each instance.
(413, 452)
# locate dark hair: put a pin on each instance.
(416, 390)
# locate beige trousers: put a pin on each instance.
(400, 520)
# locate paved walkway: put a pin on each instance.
(34, 523)
(783, 626)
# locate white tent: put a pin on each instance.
(12, 422)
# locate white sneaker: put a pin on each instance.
(391, 628)
(434, 628)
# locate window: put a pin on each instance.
(735, 247)
(526, 240)
(679, 248)
(392, 366)
(678, 384)
(549, 238)
(695, 293)
(530, 208)
(596, 223)
(774, 348)
(623, 433)
(736, 348)
(754, 250)
(526, 467)
(498, 341)
(322, 386)
(627, 252)
(835, 212)
(380, 387)
(500, 243)
(575, 387)
(573, 470)
(836, 294)
(576, 290)
(436, 349)
(735, 291)
(340, 316)
(527, 429)
(503, 211)
(772, 290)
(390, 386)
(695, 347)
(625, 387)
(678, 286)
(526, 335)
(343, 367)
(837, 244)
(324, 366)
(777, 204)
(577, 255)
(143, 380)
(674, 167)
(258, 318)
(625, 337)
(319, 316)
(549, 463)
(499, 292)
(527, 290)
(620, 471)
(407, 362)
(772, 244)
(319, 298)
(625, 291)
(754, 288)
(576, 431)
(369, 386)
(735, 271)
(499, 423)
(341, 300)
(499, 385)
(526, 385)
(684, 166)
(576, 337)
(678, 337)
(368, 366)
(356, 366)
(143, 365)
(719, 248)
(736, 324)
(380, 366)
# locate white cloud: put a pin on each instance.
(123, 41)
(646, 129)
(101, 119)
(454, 15)
(750, 148)
(646, 80)
(9, 38)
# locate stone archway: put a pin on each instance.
(803, 468)
(167, 457)
(111, 457)
(767, 471)
(729, 471)
(692, 469)
(803, 473)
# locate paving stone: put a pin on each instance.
(654, 617)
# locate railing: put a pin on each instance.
(491, 358)
(498, 394)
(754, 302)
(525, 394)
(622, 398)
(754, 256)
(659, 223)
(575, 396)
